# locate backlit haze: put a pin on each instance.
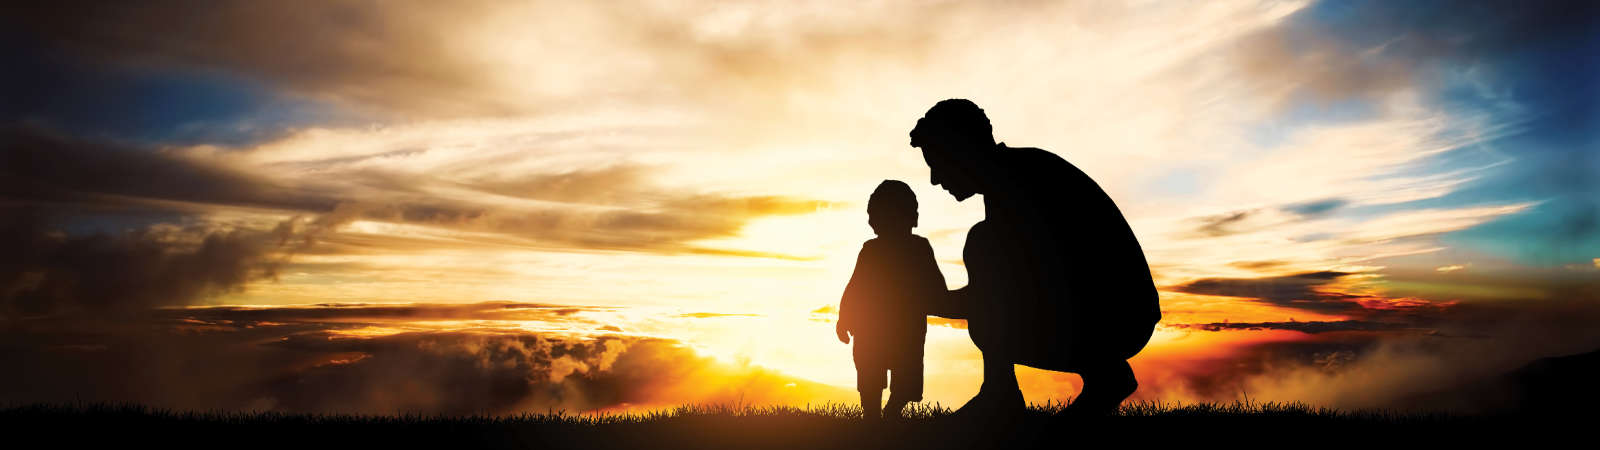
(521, 206)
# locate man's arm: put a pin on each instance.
(951, 304)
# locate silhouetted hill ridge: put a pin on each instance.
(1557, 385)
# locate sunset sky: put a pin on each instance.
(507, 206)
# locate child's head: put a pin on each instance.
(892, 209)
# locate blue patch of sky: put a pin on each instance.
(1303, 31)
(1297, 113)
(1533, 80)
(1556, 151)
(150, 105)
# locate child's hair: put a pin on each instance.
(893, 204)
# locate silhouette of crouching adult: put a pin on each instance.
(1015, 320)
(1057, 280)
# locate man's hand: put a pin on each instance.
(951, 305)
(844, 335)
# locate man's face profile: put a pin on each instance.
(948, 171)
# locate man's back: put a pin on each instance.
(1059, 253)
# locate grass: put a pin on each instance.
(739, 426)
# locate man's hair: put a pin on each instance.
(893, 200)
(955, 119)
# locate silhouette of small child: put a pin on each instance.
(886, 303)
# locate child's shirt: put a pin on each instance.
(886, 304)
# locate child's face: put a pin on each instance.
(891, 224)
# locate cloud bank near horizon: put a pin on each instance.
(376, 359)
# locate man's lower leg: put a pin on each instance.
(1104, 389)
(896, 407)
(999, 391)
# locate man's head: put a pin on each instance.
(892, 208)
(955, 138)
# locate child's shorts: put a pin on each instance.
(906, 377)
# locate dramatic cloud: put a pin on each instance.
(1295, 291)
(342, 51)
(613, 208)
(1463, 367)
(376, 314)
(1316, 208)
(483, 58)
(50, 171)
(330, 359)
(1304, 327)
(1317, 292)
(45, 271)
(1218, 225)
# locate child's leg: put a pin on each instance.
(870, 401)
(870, 381)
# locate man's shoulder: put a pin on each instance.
(1033, 157)
(1040, 161)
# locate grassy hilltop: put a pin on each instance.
(827, 426)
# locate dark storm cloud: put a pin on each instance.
(378, 313)
(43, 271)
(1316, 208)
(1293, 291)
(48, 170)
(458, 372)
(1314, 291)
(51, 183)
(317, 361)
(361, 52)
(1304, 327)
(1221, 224)
(1248, 220)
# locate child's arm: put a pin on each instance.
(852, 293)
(942, 302)
(930, 270)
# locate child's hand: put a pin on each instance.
(844, 335)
